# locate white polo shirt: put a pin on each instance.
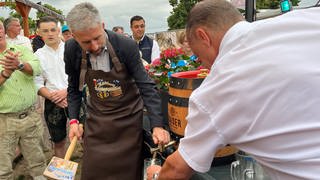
(263, 96)
(20, 40)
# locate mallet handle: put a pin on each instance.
(71, 148)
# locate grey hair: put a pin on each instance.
(83, 16)
(7, 22)
(217, 15)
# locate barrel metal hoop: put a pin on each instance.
(178, 101)
(185, 83)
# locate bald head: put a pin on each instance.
(216, 15)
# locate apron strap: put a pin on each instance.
(83, 70)
(114, 57)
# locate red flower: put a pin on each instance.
(169, 58)
(156, 62)
(147, 67)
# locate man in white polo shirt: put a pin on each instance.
(13, 28)
(262, 93)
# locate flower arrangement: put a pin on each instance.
(171, 60)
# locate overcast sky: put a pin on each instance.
(119, 12)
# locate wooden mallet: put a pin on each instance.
(63, 169)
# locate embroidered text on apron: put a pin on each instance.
(113, 130)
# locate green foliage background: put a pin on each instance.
(181, 8)
(32, 22)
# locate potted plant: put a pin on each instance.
(172, 60)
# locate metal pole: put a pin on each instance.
(250, 14)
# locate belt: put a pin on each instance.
(22, 114)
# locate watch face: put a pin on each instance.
(20, 66)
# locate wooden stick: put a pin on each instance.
(71, 148)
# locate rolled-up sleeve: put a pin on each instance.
(201, 139)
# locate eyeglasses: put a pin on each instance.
(46, 31)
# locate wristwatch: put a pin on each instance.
(20, 66)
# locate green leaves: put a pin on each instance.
(179, 13)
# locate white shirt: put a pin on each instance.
(53, 74)
(19, 40)
(155, 51)
(263, 96)
(101, 61)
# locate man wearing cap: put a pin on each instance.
(66, 33)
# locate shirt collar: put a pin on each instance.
(140, 39)
(61, 45)
(7, 37)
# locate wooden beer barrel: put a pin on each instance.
(181, 86)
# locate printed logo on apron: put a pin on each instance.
(104, 88)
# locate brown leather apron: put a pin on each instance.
(113, 130)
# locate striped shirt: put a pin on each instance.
(19, 91)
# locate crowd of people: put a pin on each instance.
(260, 96)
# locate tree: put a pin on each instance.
(272, 4)
(181, 8)
(42, 14)
(179, 13)
(32, 23)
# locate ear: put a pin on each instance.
(103, 25)
(75, 36)
(203, 36)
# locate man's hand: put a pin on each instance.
(152, 170)
(160, 136)
(10, 62)
(75, 130)
(63, 103)
(58, 96)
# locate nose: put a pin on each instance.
(94, 46)
(50, 33)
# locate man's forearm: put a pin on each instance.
(175, 168)
(44, 92)
(27, 69)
